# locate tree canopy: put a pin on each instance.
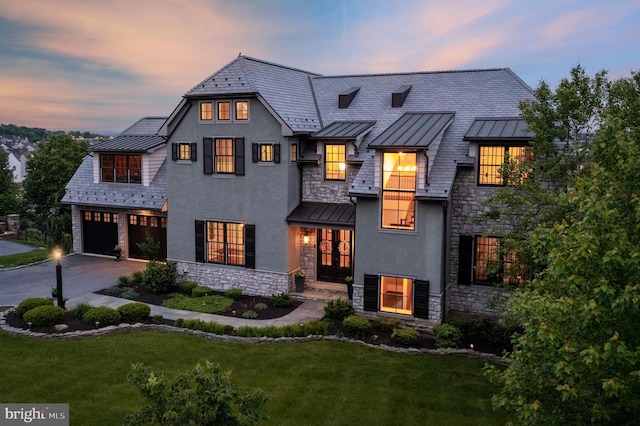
(577, 360)
(9, 201)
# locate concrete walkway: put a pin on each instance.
(310, 310)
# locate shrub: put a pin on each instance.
(137, 277)
(124, 281)
(250, 314)
(130, 294)
(282, 300)
(132, 312)
(158, 319)
(103, 315)
(159, 277)
(406, 336)
(44, 315)
(386, 324)
(186, 287)
(339, 309)
(487, 332)
(356, 325)
(234, 293)
(114, 291)
(81, 309)
(447, 335)
(28, 304)
(209, 327)
(200, 291)
(260, 307)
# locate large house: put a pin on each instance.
(264, 170)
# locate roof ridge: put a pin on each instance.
(250, 58)
(418, 73)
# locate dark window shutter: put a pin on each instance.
(207, 154)
(370, 292)
(255, 152)
(465, 260)
(276, 153)
(194, 151)
(200, 241)
(239, 156)
(421, 299)
(174, 151)
(250, 246)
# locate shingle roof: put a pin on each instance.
(81, 190)
(343, 130)
(287, 90)
(323, 214)
(142, 136)
(413, 130)
(484, 129)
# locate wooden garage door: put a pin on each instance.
(99, 232)
(138, 228)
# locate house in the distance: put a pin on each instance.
(272, 170)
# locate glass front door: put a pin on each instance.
(335, 249)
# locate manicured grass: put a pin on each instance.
(13, 260)
(312, 383)
(206, 304)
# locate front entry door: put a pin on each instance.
(334, 254)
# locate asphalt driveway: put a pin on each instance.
(10, 247)
(80, 275)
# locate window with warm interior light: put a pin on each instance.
(293, 152)
(224, 160)
(121, 168)
(335, 160)
(225, 243)
(242, 110)
(266, 153)
(491, 262)
(491, 160)
(396, 295)
(184, 151)
(399, 171)
(224, 111)
(206, 111)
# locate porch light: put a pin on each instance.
(306, 239)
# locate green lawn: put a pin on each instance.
(312, 383)
(27, 258)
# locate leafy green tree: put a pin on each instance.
(564, 122)
(577, 360)
(9, 194)
(202, 396)
(149, 247)
(48, 171)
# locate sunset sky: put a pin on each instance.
(101, 65)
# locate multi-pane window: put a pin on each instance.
(335, 160)
(224, 111)
(398, 190)
(224, 160)
(266, 153)
(225, 243)
(184, 151)
(492, 158)
(121, 168)
(396, 295)
(242, 110)
(206, 111)
(293, 152)
(492, 263)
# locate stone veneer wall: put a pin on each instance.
(308, 257)
(222, 278)
(76, 228)
(316, 189)
(466, 206)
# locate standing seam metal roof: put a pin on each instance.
(413, 130)
(343, 130)
(498, 128)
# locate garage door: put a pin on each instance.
(139, 226)
(99, 232)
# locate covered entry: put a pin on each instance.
(99, 232)
(334, 254)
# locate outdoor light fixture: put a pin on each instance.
(306, 239)
(57, 255)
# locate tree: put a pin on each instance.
(9, 195)
(203, 396)
(48, 171)
(564, 122)
(577, 360)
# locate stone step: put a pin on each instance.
(322, 291)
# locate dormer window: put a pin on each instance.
(121, 168)
(345, 98)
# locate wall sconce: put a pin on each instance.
(306, 239)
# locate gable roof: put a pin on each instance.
(287, 91)
(413, 130)
(142, 136)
